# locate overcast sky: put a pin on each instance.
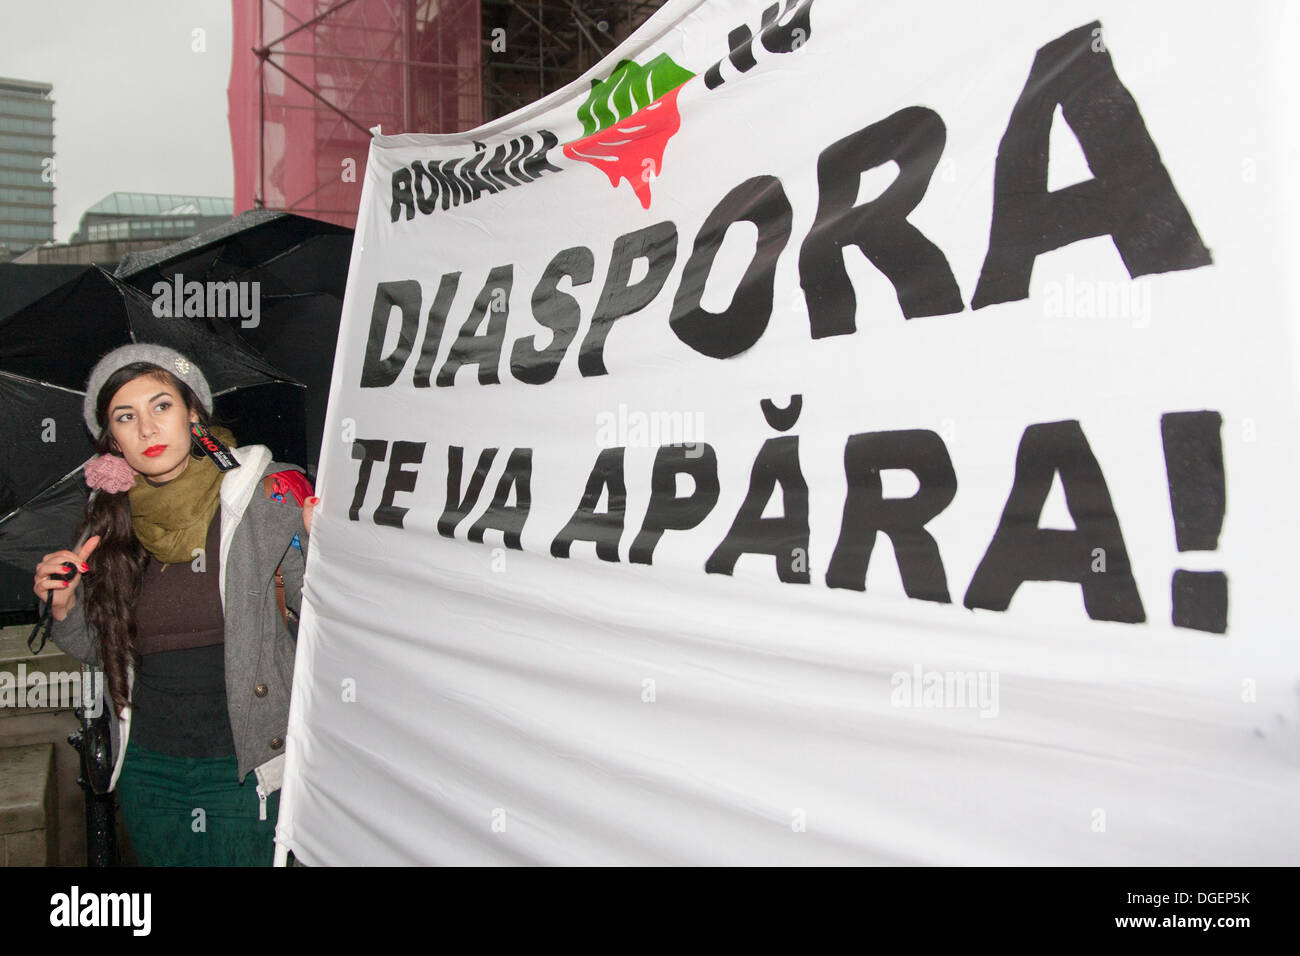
(136, 108)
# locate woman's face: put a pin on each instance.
(150, 425)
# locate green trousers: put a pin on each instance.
(189, 811)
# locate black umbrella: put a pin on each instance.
(47, 351)
(21, 285)
(301, 268)
(298, 254)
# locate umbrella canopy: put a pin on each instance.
(300, 254)
(301, 268)
(47, 351)
(21, 285)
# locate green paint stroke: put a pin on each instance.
(629, 88)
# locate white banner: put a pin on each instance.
(825, 433)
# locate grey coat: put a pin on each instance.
(256, 537)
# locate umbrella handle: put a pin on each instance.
(46, 618)
(45, 621)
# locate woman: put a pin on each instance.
(178, 605)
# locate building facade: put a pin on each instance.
(132, 222)
(27, 170)
(121, 216)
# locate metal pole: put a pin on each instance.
(405, 12)
(94, 748)
(312, 22)
(259, 201)
(317, 96)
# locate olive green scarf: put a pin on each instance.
(171, 520)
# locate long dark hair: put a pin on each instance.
(111, 592)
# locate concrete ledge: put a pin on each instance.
(17, 669)
(25, 849)
(27, 727)
(13, 648)
(28, 819)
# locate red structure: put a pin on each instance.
(310, 78)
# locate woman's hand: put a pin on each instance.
(63, 593)
(308, 507)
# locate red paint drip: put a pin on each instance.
(621, 150)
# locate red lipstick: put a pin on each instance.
(155, 450)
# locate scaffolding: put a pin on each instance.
(311, 78)
(534, 47)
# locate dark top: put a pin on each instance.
(180, 683)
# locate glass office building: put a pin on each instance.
(120, 216)
(27, 173)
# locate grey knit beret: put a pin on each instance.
(159, 355)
